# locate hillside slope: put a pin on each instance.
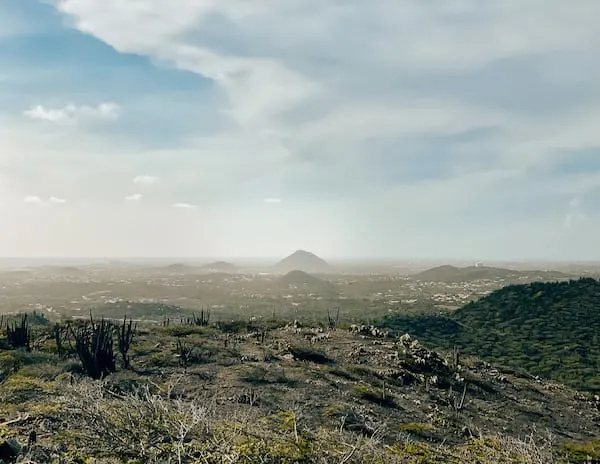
(548, 328)
(303, 261)
(301, 278)
(220, 266)
(344, 397)
(448, 273)
(452, 274)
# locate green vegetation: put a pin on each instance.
(451, 274)
(231, 368)
(551, 329)
(255, 396)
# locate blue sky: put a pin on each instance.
(451, 130)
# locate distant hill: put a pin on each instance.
(303, 261)
(452, 274)
(61, 270)
(179, 268)
(301, 278)
(220, 266)
(550, 329)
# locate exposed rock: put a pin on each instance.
(419, 359)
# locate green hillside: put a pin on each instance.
(452, 274)
(550, 329)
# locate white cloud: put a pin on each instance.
(575, 216)
(272, 200)
(72, 114)
(574, 203)
(396, 37)
(355, 83)
(33, 199)
(134, 197)
(41, 113)
(57, 200)
(145, 179)
(313, 102)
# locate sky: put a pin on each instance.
(463, 129)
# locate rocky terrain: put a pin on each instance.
(267, 392)
(547, 328)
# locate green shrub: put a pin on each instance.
(233, 326)
(183, 330)
(378, 397)
(581, 452)
(41, 371)
(344, 374)
(417, 428)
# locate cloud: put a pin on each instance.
(575, 216)
(134, 197)
(145, 179)
(33, 199)
(574, 203)
(272, 200)
(183, 205)
(72, 114)
(57, 200)
(372, 118)
(396, 79)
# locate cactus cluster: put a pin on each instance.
(201, 319)
(94, 345)
(18, 333)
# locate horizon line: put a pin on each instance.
(267, 257)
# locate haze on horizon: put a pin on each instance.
(457, 130)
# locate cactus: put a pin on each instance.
(94, 347)
(203, 319)
(18, 334)
(126, 335)
(455, 358)
(57, 332)
(333, 322)
(184, 353)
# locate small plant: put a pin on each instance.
(202, 319)
(257, 375)
(58, 333)
(455, 358)
(233, 327)
(126, 334)
(367, 393)
(417, 428)
(18, 333)
(333, 322)
(581, 451)
(344, 374)
(184, 353)
(458, 403)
